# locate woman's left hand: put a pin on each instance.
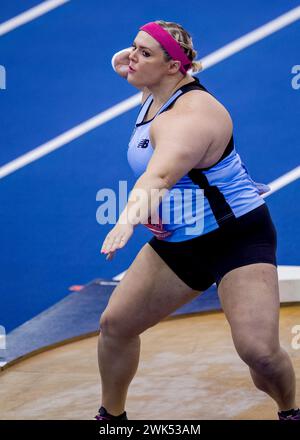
(116, 239)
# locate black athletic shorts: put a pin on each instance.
(204, 260)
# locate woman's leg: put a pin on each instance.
(250, 300)
(149, 292)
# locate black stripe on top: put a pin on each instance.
(216, 199)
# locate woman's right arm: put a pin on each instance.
(120, 63)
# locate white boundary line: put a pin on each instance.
(30, 15)
(70, 135)
(128, 104)
(283, 181)
(252, 37)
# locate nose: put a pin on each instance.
(132, 54)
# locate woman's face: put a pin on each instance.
(147, 60)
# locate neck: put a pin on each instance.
(162, 91)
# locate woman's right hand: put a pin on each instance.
(121, 62)
(116, 239)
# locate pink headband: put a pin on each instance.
(169, 43)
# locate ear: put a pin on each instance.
(174, 66)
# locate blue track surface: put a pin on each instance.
(59, 75)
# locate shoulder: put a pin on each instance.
(195, 111)
(202, 103)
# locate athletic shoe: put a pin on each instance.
(104, 415)
(289, 415)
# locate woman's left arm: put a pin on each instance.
(180, 141)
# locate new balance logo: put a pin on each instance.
(144, 143)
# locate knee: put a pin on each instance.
(108, 324)
(115, 326)
(264, 362)
(260, 358)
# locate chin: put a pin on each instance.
(131, 79)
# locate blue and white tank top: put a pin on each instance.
(202, 200)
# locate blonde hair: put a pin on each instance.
(185, 41)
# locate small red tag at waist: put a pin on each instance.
(157, 229)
